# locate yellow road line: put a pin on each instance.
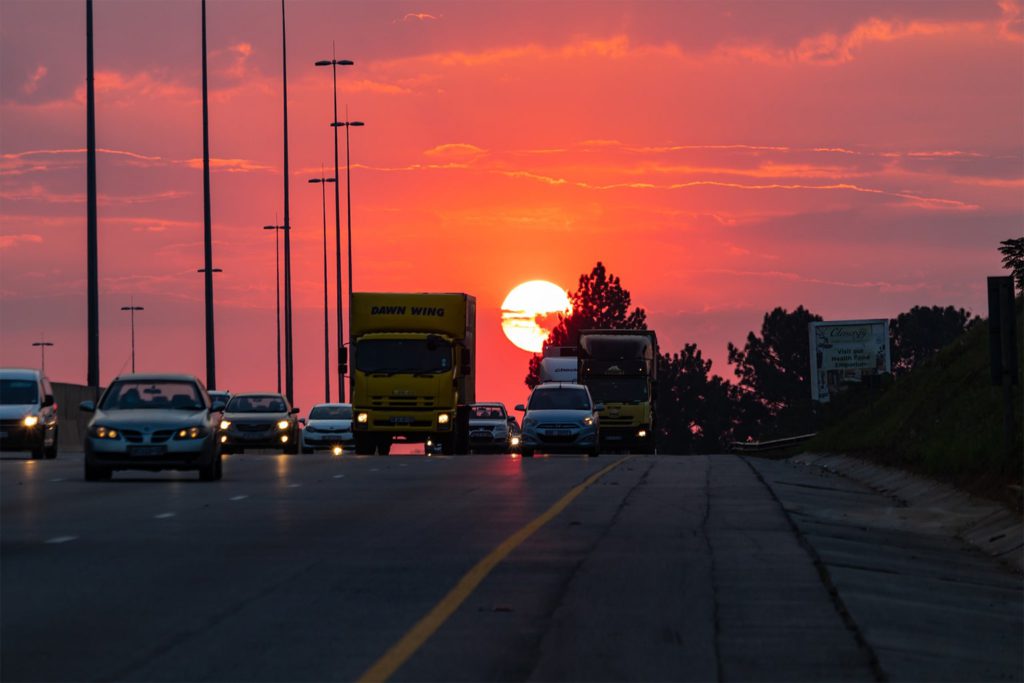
(397, 655)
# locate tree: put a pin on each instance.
(1013, 259)
(919, 333)
(600, 302)
(774, 390)
(695, 411)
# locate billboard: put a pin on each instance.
(844, 351)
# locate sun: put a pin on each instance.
(530, 311)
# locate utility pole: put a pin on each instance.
(92, 249)
(289, 380)
(208, 270)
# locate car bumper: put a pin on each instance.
(21, 438)
(263, 439)
(560, 443)
(173, 454)
(326, 439)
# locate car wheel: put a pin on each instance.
(210, 471)
(97, 473)
(593, 453)
(306, 450)
(51, 452)
(40, 450)
(527, 452)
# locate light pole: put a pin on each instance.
(132, 310)
(277, 286)
(334, 64)
(208, 270)
(92, 222)
(322, 181)
(42, 344)
(289, 379)
(348, 203)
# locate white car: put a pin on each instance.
(560, 418)
(329, 426)
(488, 428)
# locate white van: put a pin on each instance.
(28, 413)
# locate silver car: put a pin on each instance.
(329, 426)
(488, 428)
(152, 422)
(560, 418)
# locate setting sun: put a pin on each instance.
(530, 311)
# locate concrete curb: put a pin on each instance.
(988, 526)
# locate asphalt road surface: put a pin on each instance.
(481, 568)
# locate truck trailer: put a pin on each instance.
(620, 367)
(413, 374)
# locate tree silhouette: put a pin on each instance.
(600, 302)
(919, 333)
(774, 390)
(1013, 259)
(696, 412)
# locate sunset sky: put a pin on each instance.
(722, 158)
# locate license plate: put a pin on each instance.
(559, 432)
(401, 420)
(147, 450)
(617, 437)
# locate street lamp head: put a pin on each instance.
(345, 62)
(356, 123)
(323, 62)
(314, 180)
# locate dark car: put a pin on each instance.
(28, 413)
(259, 421)
(152, 422)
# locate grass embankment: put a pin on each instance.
(944, 420)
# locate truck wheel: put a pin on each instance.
(364, 444)
(384, 445)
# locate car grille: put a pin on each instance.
(132, 435)
(162, 435)
(258, 427)
(136, 436)
(10, 425)
(402, 401)
(558, 425)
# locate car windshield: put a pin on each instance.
(392, 356)
(152, 395)
(560, 399)
(331, 413)
(18, 392)
(487, 413)
(257, 404)
(618, 389)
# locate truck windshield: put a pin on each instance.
(618, 389)
(393, 356)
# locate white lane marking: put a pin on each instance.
(375, 469)
(61, 539)
(58, 479)
(294, 486)
(242, 497)
(404, 464)
(339, 476)
(164, 515)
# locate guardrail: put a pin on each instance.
(775, 444)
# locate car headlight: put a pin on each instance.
(588, 421)
(101, 432)
(283, 424)
(515, 441)
(190, 433)
(224, 424)
(362, 418)
(30, 420)
(442, 419)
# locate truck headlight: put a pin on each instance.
(642, 433)
(362, 418)
(224, 424)
(442, 419)
(30, 420)
(283, 424)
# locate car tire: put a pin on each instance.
(98, 473)
(527, 452)
(51, 452)
(305, 450)
(593, 453)
(211, 471)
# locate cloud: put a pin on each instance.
(421, 16)
(8, 241)
(455, 150)
(230, 165)
(32, 84)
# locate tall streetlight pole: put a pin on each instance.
(132, 309)
(322, 181)
(277, 286)
(92, 249)
(42, 344)
(208, 270)
(334, 64)
(348, 202)
(289, 380)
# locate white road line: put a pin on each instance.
(164, 515)
(294, 486)
(242, 497)
(61, 539)
(375, 469)
(339, 476)
(57, 479)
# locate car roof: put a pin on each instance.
(558, 385)
(157, 376)
(494, 404)
(258, 394)
(331, 405)
(20, 373)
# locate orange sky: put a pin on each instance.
(723, 158)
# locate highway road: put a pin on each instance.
(481, 568)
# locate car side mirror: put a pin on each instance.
(293, 411)
(520, 407)
(510, 419)
(302, 421)
(87, 406)
(599, 407)
(217, 407)
(48, 401)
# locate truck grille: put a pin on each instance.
(402, 401)
(616, 422)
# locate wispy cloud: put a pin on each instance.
(8, 241)
(420, 16)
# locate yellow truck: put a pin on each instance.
(620, 367)
(413, 374)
